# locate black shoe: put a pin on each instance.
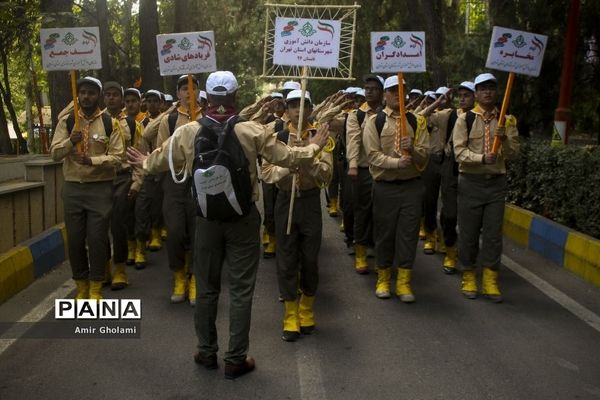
(449, 270)
(268, 255)
(233, 371)
(208, 362)
(290, 336)
(140, 265)
(307, 330)
(130, 262)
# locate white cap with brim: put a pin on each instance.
(430, 93)
(183, 80)
(391, 82)
(351, 90)
(132, 91)
(373, 77)
(276, 95)
(152, 92)
(360, 92)
(467, 85)
(168, 97)
(291, 85)
(442, 90)
(91, 80)
(416, 91)
(487, 77)
(221, 83)
(297, 94)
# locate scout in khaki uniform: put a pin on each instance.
(90, 156)
(236, 243)
(397, 191)
(482, 187)
(298, 252)
(358, 170)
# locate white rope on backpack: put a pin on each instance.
(172, 167)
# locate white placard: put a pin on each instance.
(307, 42)
(398, 52)
(516, 51)
(186, 53)
(65, 49)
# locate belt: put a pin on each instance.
(437, 157)
(400, 181)
(482, 176)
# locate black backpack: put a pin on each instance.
(106, 120)
(220, 172)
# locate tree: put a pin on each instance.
(148, 22)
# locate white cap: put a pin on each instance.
(360, 92)
(467, 85)
(351, 90)
(168, 97)
(153, 92)
(276, 95)
(91, 80)
(391, 82)
(442, 90)
(373, 77)
(202, 95)
(484, 78)
(221, 83)
(430, 94)
(132, 91)
(291, 85)
(416, 91)
(297, 94)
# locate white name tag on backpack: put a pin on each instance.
(212, 181)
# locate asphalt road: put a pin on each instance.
(441, 347)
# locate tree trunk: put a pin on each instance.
(432, 16)
(105, 40)
(127, 75)
(180, 24)
(59, 83)
(148, 18)
(7, 97)
(5, 144)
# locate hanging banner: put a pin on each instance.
(398, 52)
(67, 49)
(516, 51)
(186, 53)
(309, 42)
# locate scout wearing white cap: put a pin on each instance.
(486, 77)
(297, 94)
(442, 90)
(391, 82)
(276, 95)
(183, 79)
(430, 94)
(467, 85)
(153, 92)
(373, 77)
(360, 92)
(132, 91)
(416, 91)
(351, 90)
(91, 80)
(291, 85)
(221, 83)
(168, 97)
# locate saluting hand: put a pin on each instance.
(320, 138)
(135, 157)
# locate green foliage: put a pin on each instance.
(561, 183)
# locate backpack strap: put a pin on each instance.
(131, 124)
(451, 122)
(106, 120)
(360, 116)
(470, 117)
(381, 116)
(279, 124)
(283, 135)
(172, 118)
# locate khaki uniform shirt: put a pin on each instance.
(438, 122)
(105, 152)
(254, 138)
(310, 175)
(383, 160)
(469, 148)
(163, 129)
(355, 150)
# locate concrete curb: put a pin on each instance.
(35, 257)
(572, 250)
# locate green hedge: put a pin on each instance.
(560, 183)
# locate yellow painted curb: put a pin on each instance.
(16, 271)
(582, 256)
(517, 223)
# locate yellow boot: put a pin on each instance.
(119, 279)
(360, 259)
(440, 245)
(140, 255)
(429, 246)
(270, 249)
(469, 284)
(382, 287)
(107, 273)
(403, 286)
(83, 289)
(95, 290)
(449, 264)
(306, 314)
(192, 290)
(332, 209)
(291, 322)
(265, 237)
(131, 248)
(155, 243)
(179, 286)
(489, 285)
(163, 233)
(422, 232)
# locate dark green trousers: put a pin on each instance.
(236, 244)
(122, 219)
(362, 201)
(179, 211)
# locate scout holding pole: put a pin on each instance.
(514, 52)
(401, 127)
(304, 82)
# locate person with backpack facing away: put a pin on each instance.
(298, 252)
(89, 156)
(234, 241)
(482, 187)
(358, 170)
(397, 190)
(178, 205)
